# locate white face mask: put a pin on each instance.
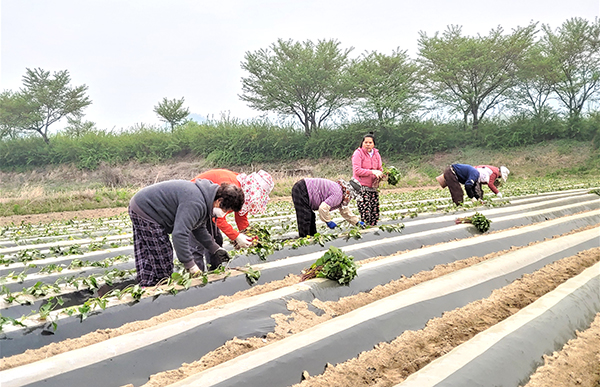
(219, 213)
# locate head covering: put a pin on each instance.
(442, 180)
(348, 192)
(256, 186)
(504, 172)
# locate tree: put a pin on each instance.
(42, 101)
(386, 86)
(14, 109)
(534, 86)
(301, 79)
(172, 111)
(574, 50)
(78, 128)
(472, 75)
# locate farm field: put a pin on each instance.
(435, 303)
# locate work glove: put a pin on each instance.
(361, 224)
(377, 173)
(331, 225)
(194, 270)
(222, 256)
(243, 241)
(499, 195)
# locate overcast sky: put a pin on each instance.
(133, 53)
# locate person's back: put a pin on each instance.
(466, 174)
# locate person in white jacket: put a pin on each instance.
(491, 176)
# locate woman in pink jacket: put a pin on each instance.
(368, 170)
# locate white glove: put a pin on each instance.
(243, 241)
(499, 195)
(377, 173)
(193, 270)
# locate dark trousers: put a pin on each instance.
(456, 190)
(305, 216)
(152, 250)
(368, 207)
(454, 186)
(200, 254)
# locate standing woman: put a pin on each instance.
(368, 170)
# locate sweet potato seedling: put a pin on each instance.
(478, 220)
(334, 265)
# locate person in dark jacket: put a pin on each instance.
(181, 208)
(457, 174)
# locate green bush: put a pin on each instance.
(231, 142)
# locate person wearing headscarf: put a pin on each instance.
(457, 174)
(256, 188)
(322, 195)
(180, 208)
(490, 175)
(367, 170)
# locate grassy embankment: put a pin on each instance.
(65, 188)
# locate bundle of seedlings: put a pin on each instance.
(334, 265)
(260, 235)
(478, 220)
(392, 174)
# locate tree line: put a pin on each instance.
(533, 71)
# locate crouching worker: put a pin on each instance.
(180, 208)
(491, 175)
(322, 195)
(457, 174)
(256, 187)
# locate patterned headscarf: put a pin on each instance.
(256, 186)
(348, 192)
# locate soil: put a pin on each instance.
(61, 216)
(300, 319)
(577, 364)
(108, 212)
(390, 363)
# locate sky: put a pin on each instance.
(133, 53)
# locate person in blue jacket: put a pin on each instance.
(457, 174)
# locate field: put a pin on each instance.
(435, 303)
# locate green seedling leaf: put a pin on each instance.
(334, 265)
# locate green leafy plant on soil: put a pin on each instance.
(334, 265)
(252, 275)
(478, 220)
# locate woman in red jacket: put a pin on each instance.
(368, 170)
(256, 186)
(489, 174)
